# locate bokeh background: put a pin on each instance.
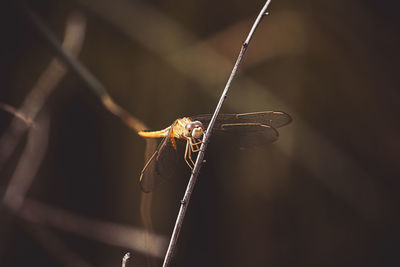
(325, 194)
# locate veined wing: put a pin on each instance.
(253, 129)
(250, 134)
(159, 166)
(274, 119)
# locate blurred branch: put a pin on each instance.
(86, 76)
(199, 60)
(15, 193)
(45, 85)
(206, 137)
(28, 164)
(34, 212)
(108, 233)
(57, 248)
(91, 81)
(145, 217)
(35, 148)
(285, 34)
(15, 112)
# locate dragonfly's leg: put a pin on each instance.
(188, 154)
(195, 145)
(199, 141)
(190, 150)
(195, 148)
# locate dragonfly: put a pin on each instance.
(256, 128)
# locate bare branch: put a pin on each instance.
(35, 212)
(15, 112)
(55, 246)
(125, 259)
(200, 156)
(19, 184)
(86, 76)
(45, 85)
(28, 164)
(35, 148)
(91, 81)
(51, 77)
(109, 233)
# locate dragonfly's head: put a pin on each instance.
(194, 129)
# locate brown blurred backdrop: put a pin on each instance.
(325, 194)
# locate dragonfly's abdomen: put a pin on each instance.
(155, 134)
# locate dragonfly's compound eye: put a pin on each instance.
(195, 128)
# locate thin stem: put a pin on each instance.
(109, 233)
(206, 137)
(16, 113)
(28, 164)
(43, 88)
(125, 259)
(82, 72)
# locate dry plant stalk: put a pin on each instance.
(36, 122)
(200, 156)
(113, 234)
(45, 85)
(125, 259)
(85, 75)
(101, 92)
(15, 196)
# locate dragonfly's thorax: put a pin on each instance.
(185, 127)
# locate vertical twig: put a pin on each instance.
(28, 164)
(125, 259)
(200, 156)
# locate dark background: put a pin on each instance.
(325, 194)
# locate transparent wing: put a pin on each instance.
(275, 119)
(248, 129)
(251, 134)
(159, 167)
